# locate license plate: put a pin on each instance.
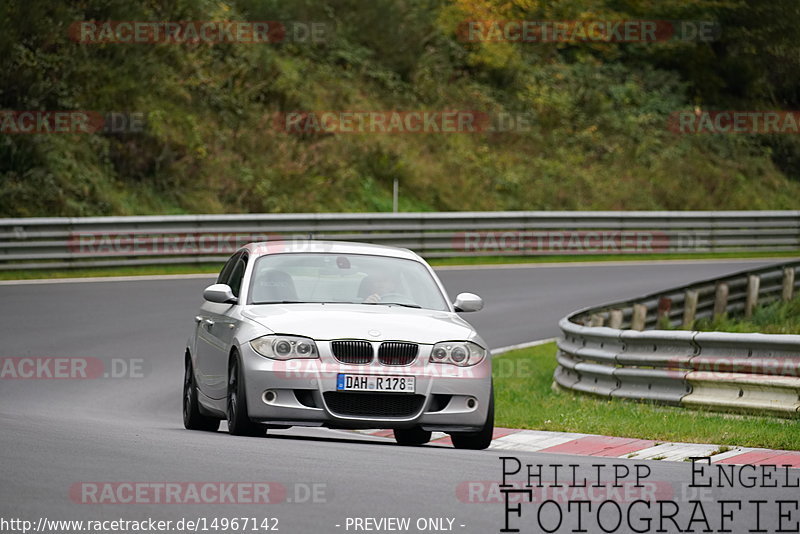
(389, 384)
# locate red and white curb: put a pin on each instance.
(613, 447)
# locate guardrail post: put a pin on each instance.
(720, 300)
(639, 317)
(664, 307)
(615, 319)
(689, 308)
(753, 283)
(788, 284)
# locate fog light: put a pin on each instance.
(269, 396)
(471, 402)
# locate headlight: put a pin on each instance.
(285, 347)
(461, 353)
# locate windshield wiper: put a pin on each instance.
(392, 304)
(338, 302)
(307, 302)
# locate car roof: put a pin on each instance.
(296, 246)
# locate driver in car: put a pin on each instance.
(381, 286)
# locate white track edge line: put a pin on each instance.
(502, 350)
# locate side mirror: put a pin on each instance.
(220, 293)
(468, 302)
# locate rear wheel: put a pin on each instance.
(239, 424)
(412, 436)
(477, 440)
(192, 418)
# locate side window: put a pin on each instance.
(237, 274)
(225, 273)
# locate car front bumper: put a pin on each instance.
(302, 392)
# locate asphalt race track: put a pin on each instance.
(55, 434)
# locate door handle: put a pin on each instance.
(209, 322)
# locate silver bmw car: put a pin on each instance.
(340, 335)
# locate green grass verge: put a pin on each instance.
(776, 318)
(439, 262)
(524, 399)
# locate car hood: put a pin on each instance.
(359, 321)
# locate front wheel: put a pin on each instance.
(239, 424)
(192, 418)
(477, 440)
(412, 436)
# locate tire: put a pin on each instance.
(412, 436)
(239, 423)
(477, 440)
(192, 418)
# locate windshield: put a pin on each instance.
(344, 278)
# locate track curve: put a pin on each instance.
(56, 433)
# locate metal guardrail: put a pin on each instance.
(741, 371)
(606, 350)
(146, 240)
